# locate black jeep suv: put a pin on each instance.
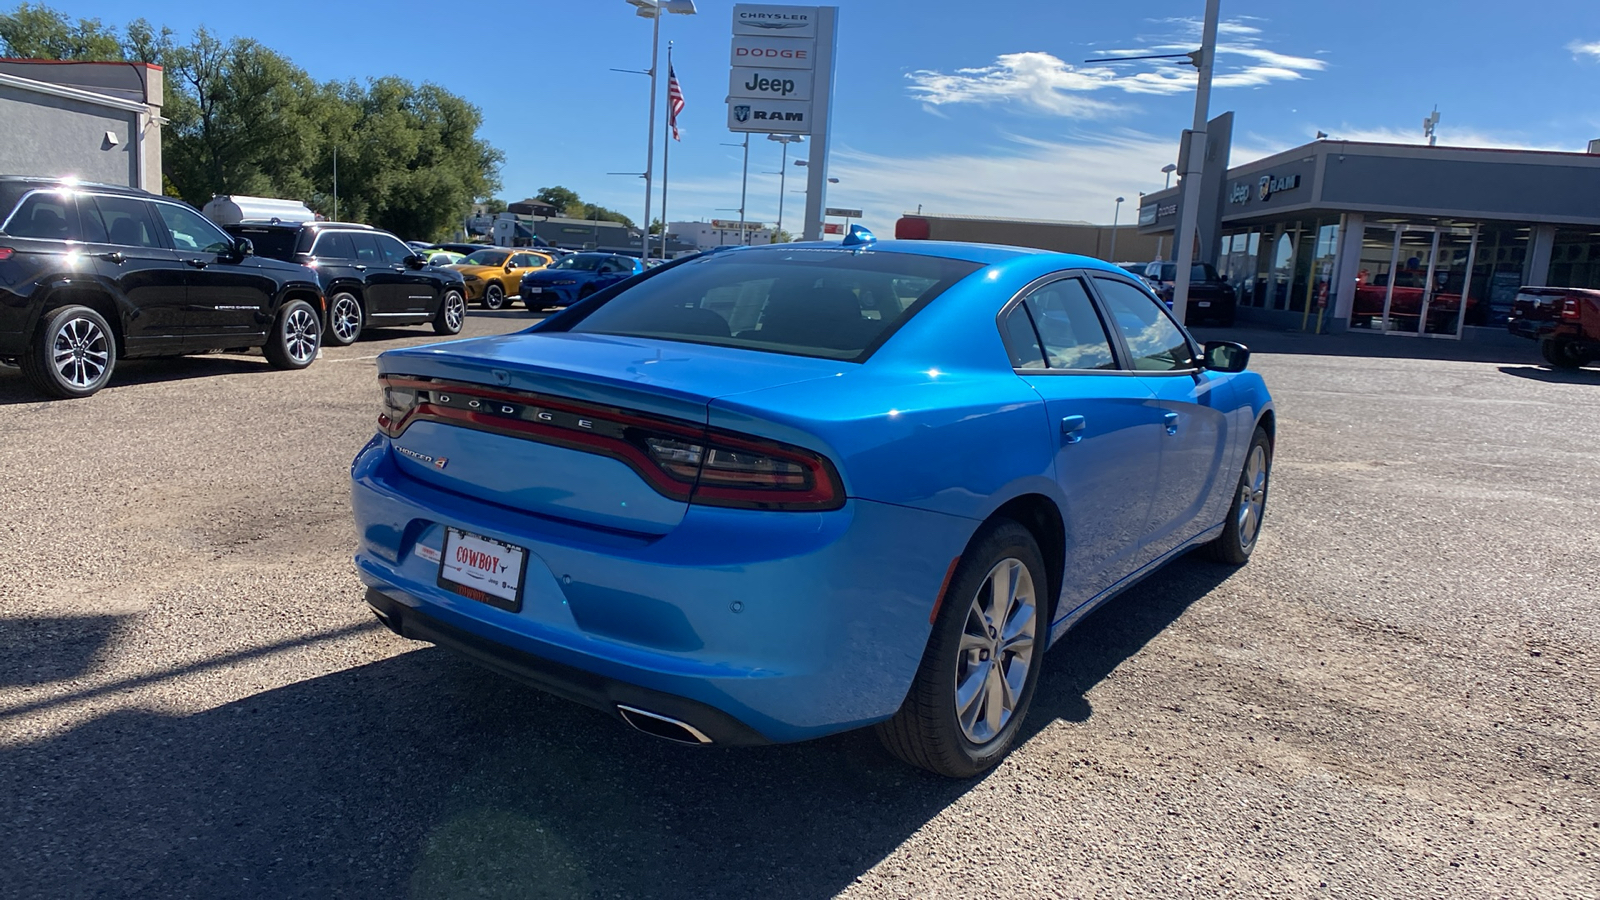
(370, 277)
(92, 273)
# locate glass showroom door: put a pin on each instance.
(1448, 303)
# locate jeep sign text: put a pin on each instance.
(762, 84)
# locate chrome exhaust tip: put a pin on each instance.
(662, 726)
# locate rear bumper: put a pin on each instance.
(1529, 328)
(751, 626)
(568, 682)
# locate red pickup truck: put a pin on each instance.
(1405, 307)
(1565, 322)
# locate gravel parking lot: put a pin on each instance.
(1397, 698)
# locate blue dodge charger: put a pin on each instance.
(778, 492)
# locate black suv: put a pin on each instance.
(370, 277)
(93, 273)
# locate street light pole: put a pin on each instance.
(652, 9)
(783, 170)
(1195, 159)
(1115, 215)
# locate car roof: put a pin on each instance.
(43, 181)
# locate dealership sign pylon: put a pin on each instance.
(781, 82)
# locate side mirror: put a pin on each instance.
(1225, 356)
(416, 261)
(243, 247)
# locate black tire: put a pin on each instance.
(1239, 534)
(296, 336)
(1560, 353)
(73, 354)
(452, 313)
(494, 296)
(926, 732)
(346, 318)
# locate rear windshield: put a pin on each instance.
(273, 243)
(832, 304)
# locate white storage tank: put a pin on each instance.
(232, 209)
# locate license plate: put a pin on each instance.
(483, 569)
(1203, 303)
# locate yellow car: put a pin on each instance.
(494, 274)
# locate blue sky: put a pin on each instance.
(962, 107)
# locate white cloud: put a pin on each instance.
(1590, 49)
(1049, 84)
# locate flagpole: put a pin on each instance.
(666, 150)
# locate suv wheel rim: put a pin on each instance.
(1252, 495)
(996, 650)
(454, 309)
(300, 335)
(492, 296)
(346, 318)
(81, 351)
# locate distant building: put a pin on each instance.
(719, 233)
(93, 121)
(1083, 238)
(532, 207)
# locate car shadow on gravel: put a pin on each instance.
(14, 389)
(1554, 376)
(422, 775)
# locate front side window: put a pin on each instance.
(47, 214)
(193, 232)
(1155, 342)
(394, 252)
(805, 302)
(127, 220)
(1069, 328)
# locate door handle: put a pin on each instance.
(114, 256)
(196, 263)
(1072, 428)
(1171, 419)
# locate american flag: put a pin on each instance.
(674, 101)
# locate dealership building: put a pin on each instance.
(1396, 238)
(88, 120)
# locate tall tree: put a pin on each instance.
(35, 31)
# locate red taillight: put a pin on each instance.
(1570, 310)
(681, 460)
(5, 253)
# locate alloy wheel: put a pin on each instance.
(80, 352)
(455, 310)
(996, 650)
(300, 336)
(1252, 496)
(346, 318)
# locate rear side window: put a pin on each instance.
(834, 304)
(334, 245)
(48, 214)
(1069, 328)
(1155, 342)
(127, 221)
(273, 243)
